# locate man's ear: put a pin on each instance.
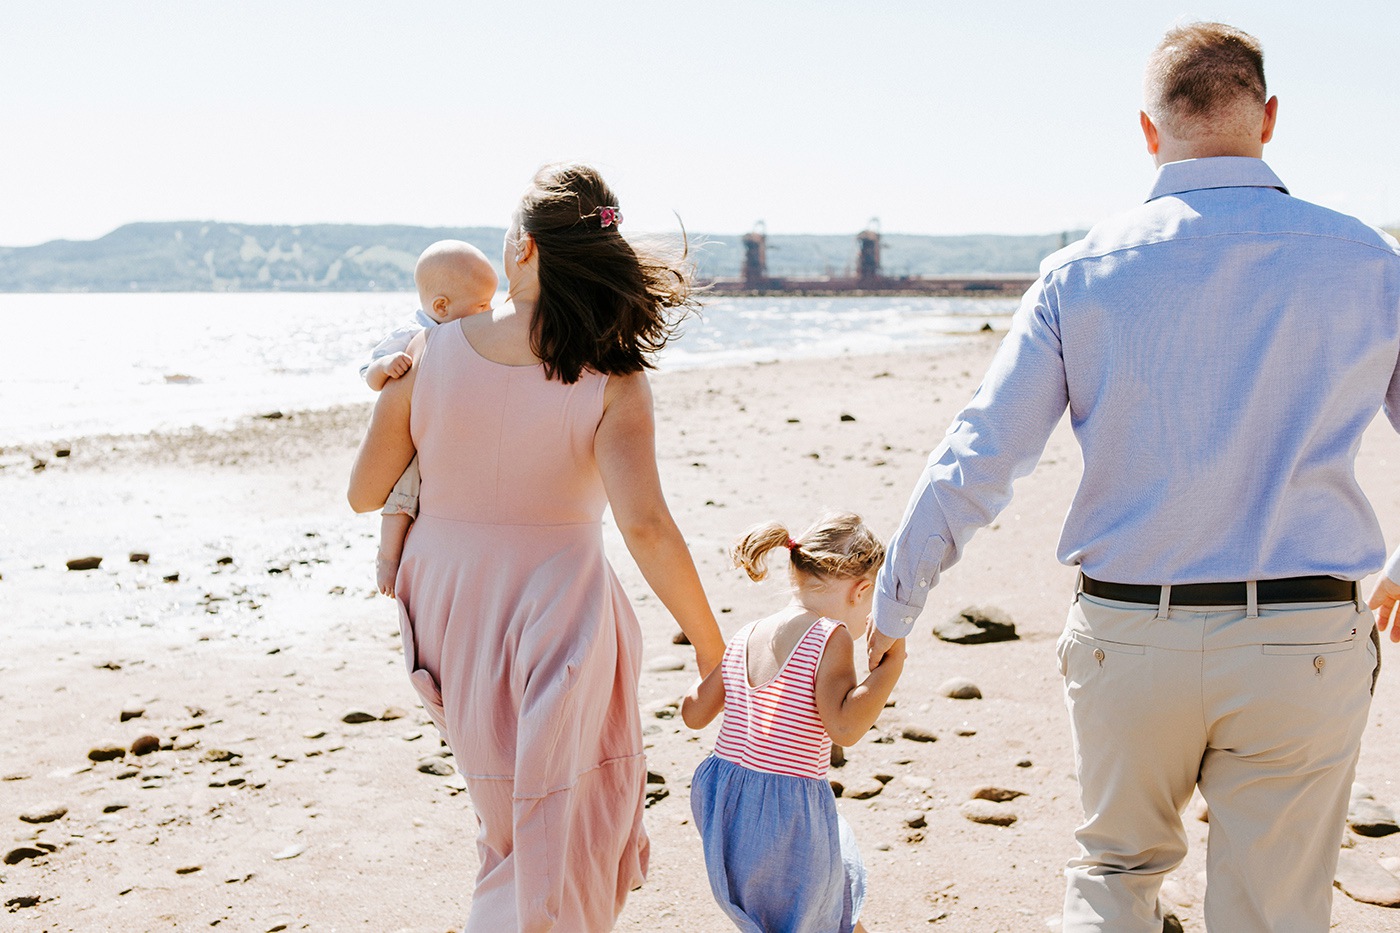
(1149, 132)
(1270, 118)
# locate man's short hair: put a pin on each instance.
(1199, 71)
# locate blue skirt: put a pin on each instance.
(779, 856)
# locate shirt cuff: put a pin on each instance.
(1392, 567)
(893, 618)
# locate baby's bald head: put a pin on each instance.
(454, 279)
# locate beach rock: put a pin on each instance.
(356, 716)
(145, 744)
(655, 778)
(171, 577)
(85, 563)
(864, 788)
(188, 869)
(224, 561)
(115, 806)
(44, 814)
(657, 793)
(1362, 878)
(392, 713)
(1368, 816)
(62, 452)
(838, 756)
(960, 688)
(219, 754)
(133, 712)
(837, 787)
(291, 851)
(664, 709)
(15, 776)
(918, 782)
(437, 766)
(19, 854)
(964, 731)
(680, 638)
(976, 625)
(1171, 923)
(985, 811)
(106, 752)
(22, 901)
(1025, 763)
(847, 417)
(666, 662)
(915, 819)
(996, 794)
(918, 734)
(139, 557)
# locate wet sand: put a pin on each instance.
(264, 810)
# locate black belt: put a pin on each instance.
(1287, 590)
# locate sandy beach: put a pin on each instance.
(253, 632)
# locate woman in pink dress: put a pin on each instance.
(527, 422)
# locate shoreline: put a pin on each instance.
(244, 672)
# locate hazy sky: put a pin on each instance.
(937, 117)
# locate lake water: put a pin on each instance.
(82, 364)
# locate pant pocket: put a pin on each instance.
(428, 689)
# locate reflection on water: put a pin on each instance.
(87, 364)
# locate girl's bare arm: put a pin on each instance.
(848, 709)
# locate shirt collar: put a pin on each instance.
(1216, 172)
(423, 320)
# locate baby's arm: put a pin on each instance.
(705, 699)
(393, 366)
(848, 709)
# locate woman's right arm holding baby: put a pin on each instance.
(848, 709)
(387, 447)
(626, 450)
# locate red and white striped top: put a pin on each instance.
(774, 727)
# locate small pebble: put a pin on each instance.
(106, 752)
(133, 712)
(354, 717)
(985, 811)
(85, 563)
(960, 688)
(915, 819)
(189, 869)
(918, 734)
(17, 855)
(139, 557)
(144, 745)
(435, 766)
(289, 852)
(1024, 763)
(220, 754)
(392, 713)
(864, 789)
(44, 814)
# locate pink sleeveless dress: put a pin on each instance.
(519, 639)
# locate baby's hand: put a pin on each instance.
(398, 364)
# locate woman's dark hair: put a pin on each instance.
(604, 305)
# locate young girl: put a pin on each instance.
(779, 856)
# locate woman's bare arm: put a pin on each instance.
(387, 446)
(626, 450)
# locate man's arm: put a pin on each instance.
(995, 440)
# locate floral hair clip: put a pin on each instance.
(609, 217)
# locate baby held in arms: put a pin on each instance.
(454, 280)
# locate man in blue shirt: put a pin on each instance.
(1220, 349)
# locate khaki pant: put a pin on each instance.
(1264, 712)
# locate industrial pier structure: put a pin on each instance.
(868, 279)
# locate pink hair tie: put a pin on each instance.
(609, 217)
(791, 545)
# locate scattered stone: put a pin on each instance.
(960, 688)
(666, 662)
(680, 638)
(24, 900)
(17, 855)
(189, 869)
(62, 452)
(1363, 879)
(114, 807)
(290, 852)
(272, 416)
(664, 709)
(436, 766)
(985, 811)
(145, 744)
(139, 557)
(977, 626)
(134, 712)
(1025, 763)
(220, 754)
(838, 756)
(321, 733)
(356, 716)
(45, 814)
(884, 777)
(184, 743)
(1170, 922)
(837, 787)
(1368, 816)
(171, 577)
(864, 789)
(85, 563)
(392, 713)
(918, 734)
(915, 819)
(656, 793)
(922, 784)
(996, 794)
(15, 776)
(106, 752)
(846, 417)
(964, 731)
(108, 666)
(224, 561)
(655, 778)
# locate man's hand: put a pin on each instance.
(1384, 599)
(877, 644)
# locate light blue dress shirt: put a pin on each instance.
(1221, 349)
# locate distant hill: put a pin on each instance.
(209, 256)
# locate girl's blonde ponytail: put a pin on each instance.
(750, 552)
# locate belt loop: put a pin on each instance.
(1251, 590)
(1078, 585)
(1356, 596)
(1164, 603)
